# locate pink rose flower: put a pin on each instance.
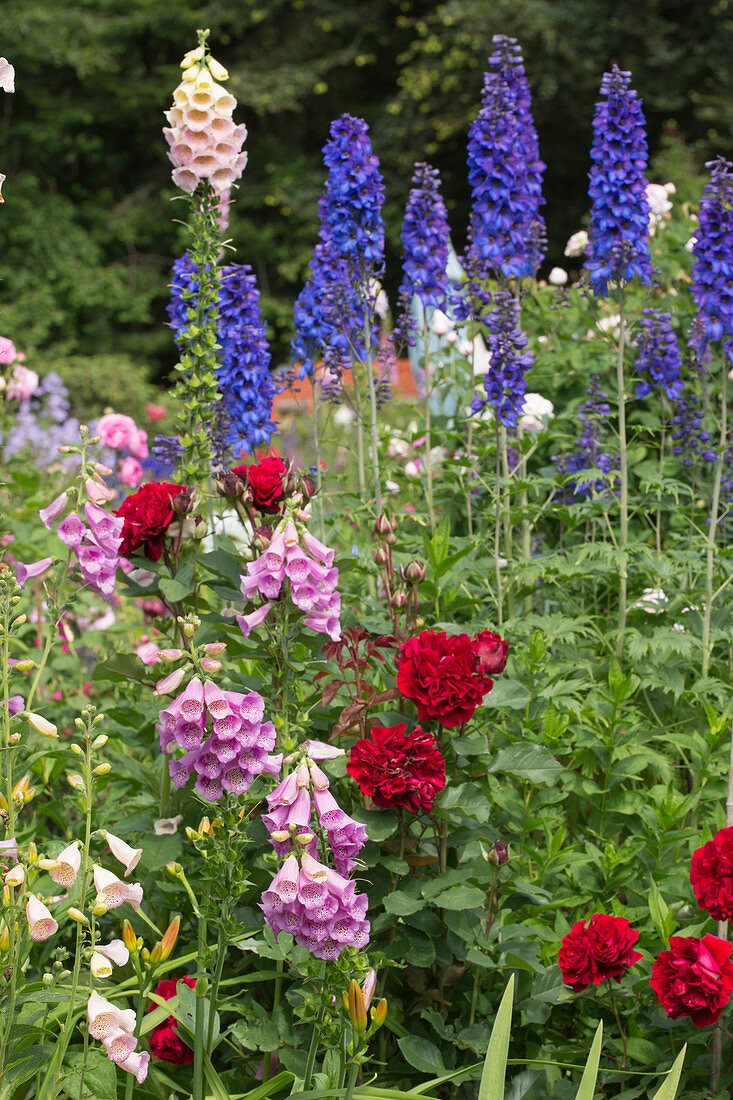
(8, 354)
(130, 472)
(115, 430)
(23, 383)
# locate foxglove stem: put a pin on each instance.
(7, 756)
(712, 530)
(428, 438)
(624, 480)
(275, 1002)
(199, 1050)
(221, 952)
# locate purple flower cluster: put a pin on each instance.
(317, 906)
(689, 441)
(508, 362)
(507, 232)
(289, 818)
(244, 377)
(658, 360)
(235, 751)
(425, 241)
(96, 548)
(43, 423)
(312, 575)
(588, 454)
(712, 272)
(336, 304)
(619, 220)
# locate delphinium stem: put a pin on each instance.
(317, 456)
(497, 534)
(428, 436)
(713, 527)
(506, 505)
(374, 425)
(624, 479)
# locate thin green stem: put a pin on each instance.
(373, 421)
(130, 1082)
(319, 472)
(199, 1050)
(712, 529)
(497, 535)
(428, 431)
(221, 951)
(623, 538)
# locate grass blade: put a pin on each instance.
(494, 1074)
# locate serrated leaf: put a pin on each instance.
(528, 761)
(509, 694)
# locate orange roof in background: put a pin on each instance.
(299, 396)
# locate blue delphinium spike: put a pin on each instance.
(712, 253)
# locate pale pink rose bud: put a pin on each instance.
(127, 856)
(136, 1064)
(40, 921)
(106, 1018)
(112, 892)
(171, 682)
(66, 866)
(54, 511)
(119, 1045)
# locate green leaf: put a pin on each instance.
(528, 761)
(401, 905)
(422, 1054)
(668, 1090)
(461, 897)
(34, 1058)
(660, 914)
(494, 1073)
(99, 1077)
(508, 693)
(587, 1086)
(121, 666)
(175, 590)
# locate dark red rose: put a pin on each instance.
(165, 1042)
(147, 514)
(694, 978)
(603, 949)
(398, 769)
(443, 675)
(491, 651)
(711, 875)
(266, 480)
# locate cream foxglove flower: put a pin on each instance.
(106, 1018)
(40, 920)
(129, 857)
(66, 866)
(113, 892)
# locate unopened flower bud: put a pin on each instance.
(77, 916)
(76, 749)
(14, 739)
(99, 909)
(170, 937)
(100, 742)
(415, 572)
(399, 598)
(101, 469)
(379, 1014)
(76, 781)
(128, 937)
(25, 665)
(213, 649)
(499, 854)
(280, 836)
(183, 502)
(382, 526)
(189, 630)
(217, 70)
(170, 654)
(174, 868)
(32, 852)
(155, 954)
(145, 955)
(102, 769)
(46, 864)
(47, 980)
(41, 725)
(304, 839)
(357, 1008)
(380, 556)
(19, 622)
(209, 664)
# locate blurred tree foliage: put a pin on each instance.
(88, 231)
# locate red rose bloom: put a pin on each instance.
(443, 674)
(147, 514)
(165, 1042)
(711, 875)
(398, 769)
(265, 479)
(491, 651)
(603, 949)
(694, 978)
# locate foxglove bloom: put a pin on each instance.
(225, 756)
(308, 569)
(712, 253)
(619, 220)
(658, 359)
(317, 906)
(41, 923)
(509, 362)
(425, 242)
(398, 770)
(204, 142)
(113, 892)
(506, 232)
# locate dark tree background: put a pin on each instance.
(89, 231)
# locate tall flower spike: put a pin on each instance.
(712, 254)
(509, 361)
(507, 231)
(658, 360)
(425, 242)
(355, 193)
(619, 219)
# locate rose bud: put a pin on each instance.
(399, 599)
(499, 854)
(184, 502)
(380, 556)
(491, 651)
(382, 527)
(415, 572)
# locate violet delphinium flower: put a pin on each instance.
(619, 220)
(712, 253)
(589, 454)
(425, 243)
(689, 440)
(312, 576)
(317, 906)
(236, 749)
(43, 423)
(658, 360)
(506, 232)
(509, 361)
(355, 193)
